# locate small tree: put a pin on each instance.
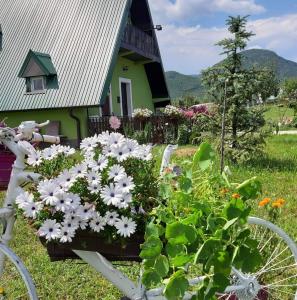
(233, 88)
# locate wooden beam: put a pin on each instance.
(126, 53)
(144, 62)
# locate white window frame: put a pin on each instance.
(129, 82)
(32, 85)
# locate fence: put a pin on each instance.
(159, 128)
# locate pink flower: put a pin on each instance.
(189, 114)
(114, 123)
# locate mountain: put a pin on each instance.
(183, 85)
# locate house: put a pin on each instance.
(68, 60)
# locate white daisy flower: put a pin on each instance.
(85, 212)
(93, 177)
(74, 201)
(103, 138)
(34, 159)
(23, 199)
(71, 224)
(83, 224)
(57, 148)
(132, 146)
(63, 203)
(31, 209)
(72, 218)
(120, 152)
(49, 154)
(97, 223)
(125, 227)
(116, 172)
(144, 152)
(126, 184)
(111, 194)
(43, 184)
(50, 230)
(66, 180)
(79, 171)
(107, 150)
(68, 151)
(88, 144)
(111, 217)
(125, 201)
(115, 138)
(100, 164)
(94, 187)
(47, 193)
(66, 235)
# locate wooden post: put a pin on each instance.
(223, 129)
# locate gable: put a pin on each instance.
(37, 64)
(82, 38)
(32, 69)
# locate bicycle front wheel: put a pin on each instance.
(15, 280)
(276, 278)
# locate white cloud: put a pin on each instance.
(182, 10)
(191, 49)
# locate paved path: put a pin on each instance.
(287, 132)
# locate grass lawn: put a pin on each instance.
(73, 280)
(276, 114)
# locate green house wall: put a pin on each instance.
(141, 98)
(141, 92)
(68, 125)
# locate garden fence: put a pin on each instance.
(159, 129)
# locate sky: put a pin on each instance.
(192, 27)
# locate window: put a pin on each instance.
(37, 84)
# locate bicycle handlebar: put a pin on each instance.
(45, 138)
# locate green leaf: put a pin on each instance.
(180, 234)
(151, 278)
(148, 263)
(185, 184)
(221, 281)
(177, 286)
(208, 248)
(151, 248)
(249, 189)
(230, 223)
(162, 265)
(174, 250)
(248, 259)
(204, 157)
(181, 260)
(192, 219)
(151, 230)
(165, 191)
(165, 216)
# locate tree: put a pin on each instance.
(289, 93)
(233, 88)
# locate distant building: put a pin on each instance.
(67, 60)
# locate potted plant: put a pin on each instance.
(97, 198)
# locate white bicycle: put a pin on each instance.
(275, 279)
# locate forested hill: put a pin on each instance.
(181, 85)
